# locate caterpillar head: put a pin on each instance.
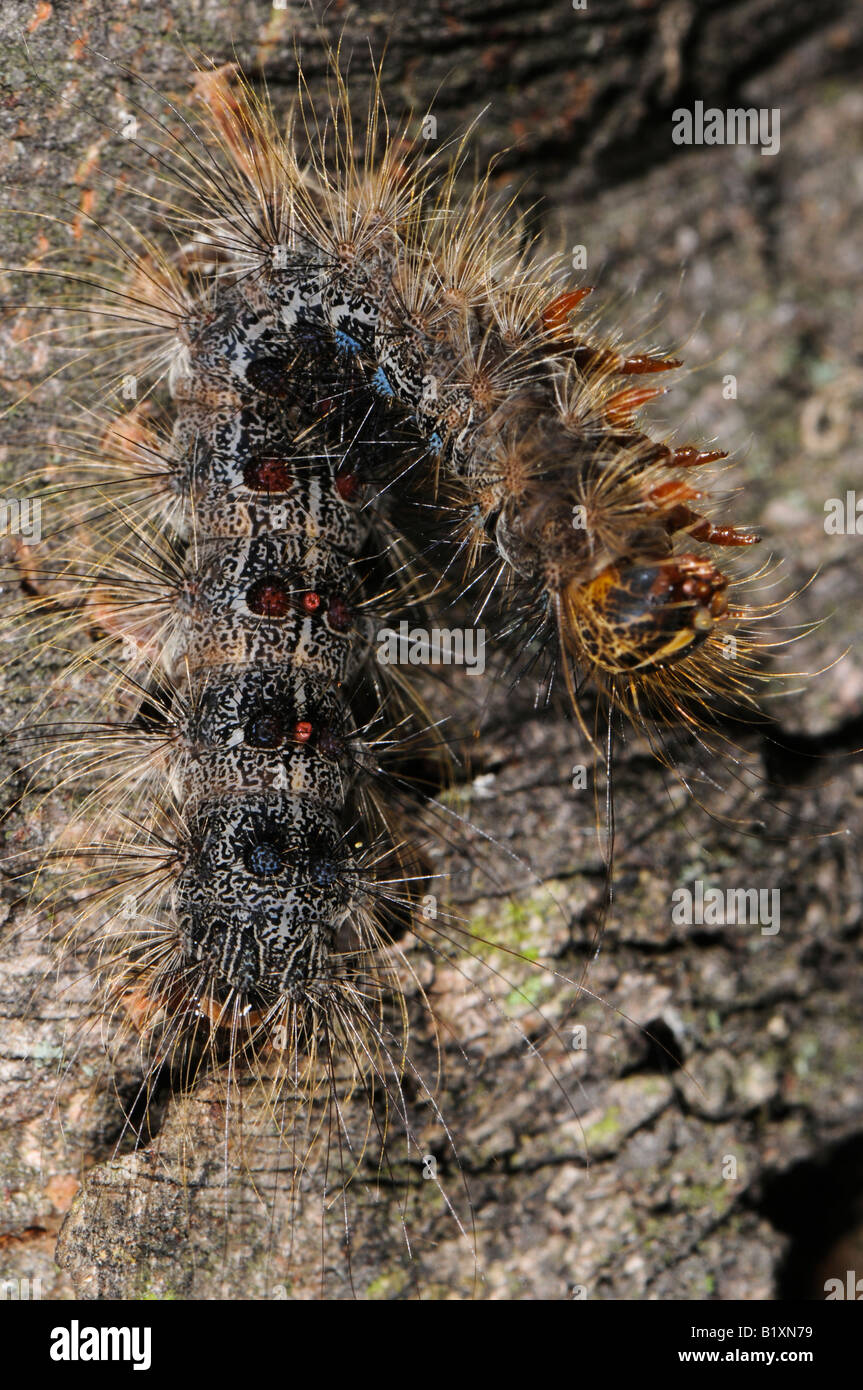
(639, 615)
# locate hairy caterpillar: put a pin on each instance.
(384, 284)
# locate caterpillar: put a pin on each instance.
(350, 372)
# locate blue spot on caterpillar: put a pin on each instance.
(345, 342)
(265, 859)
(381, 383)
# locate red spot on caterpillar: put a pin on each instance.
(690, 457)
(311, 602)
(554, 317)
(622, 406)
(340, 616)
(302, 730)
(268, 475)
(347, 486)
(269, 598)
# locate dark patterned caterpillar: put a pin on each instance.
(355, 391)
(525, 417)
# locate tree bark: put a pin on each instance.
(718, 1153)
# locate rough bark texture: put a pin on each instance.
(756, 261)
